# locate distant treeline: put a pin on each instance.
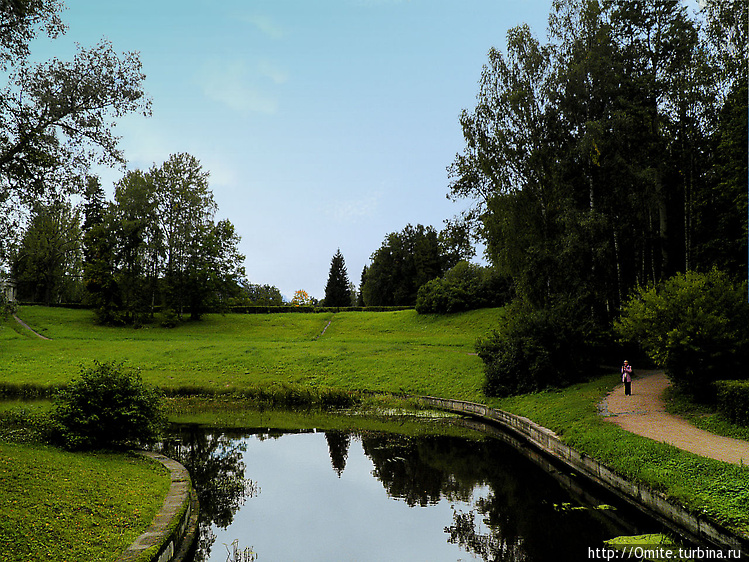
(255, 309)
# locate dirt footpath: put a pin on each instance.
(643, 413)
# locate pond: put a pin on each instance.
(364, 495)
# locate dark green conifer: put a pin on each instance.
(337, 291)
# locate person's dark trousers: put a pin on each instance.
(628, 388)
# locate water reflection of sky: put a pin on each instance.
(304, 511)
(362, 496)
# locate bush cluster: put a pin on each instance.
(733, 400)
(537, 348)
(695, 325)
(108, 407)
(464, 287)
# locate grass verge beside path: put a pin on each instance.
(703, 416)
(716, 489)
(56, 505)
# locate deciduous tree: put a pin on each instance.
(302, 298)
(405, 261)
(56, 117)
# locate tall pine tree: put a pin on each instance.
(337, 291)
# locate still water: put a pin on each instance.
(331, 496)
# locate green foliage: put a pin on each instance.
(337, 291)
(614, 154)
(695, 325)
(721, 209)
(405, 261)
(702, 415)
(63, 111)
(251, 295)
(45, 264)
(158, 244)
(25, 422)
(535, 349)
(733, 400)
(464, 287)
(99, 269)
(107, 407)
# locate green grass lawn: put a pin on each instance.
(70, 507)
(383, 351)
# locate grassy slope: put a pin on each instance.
(65, 506)
(392, 351)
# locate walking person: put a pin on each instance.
(627, 378)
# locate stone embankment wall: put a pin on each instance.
(174, 529)
(652, 502)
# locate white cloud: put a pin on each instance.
(354, 209)
(230, 84)
(375, 3)
(266, 26)
(270, 70)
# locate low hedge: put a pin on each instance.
(292, 309)
(733, 400)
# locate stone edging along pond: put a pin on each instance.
(654, 503)
(174, 529)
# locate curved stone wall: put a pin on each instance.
(652, 502)
(174, 529)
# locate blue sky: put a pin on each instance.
(324, 125)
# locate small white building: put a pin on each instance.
(7, 288)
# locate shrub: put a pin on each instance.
(464, 287)
(733, 400)
(695, 325)
(107, 407)
(535, 349)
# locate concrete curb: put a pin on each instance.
(654, 503)
(174, 529)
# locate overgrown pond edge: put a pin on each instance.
(173, 532)
(655, 504)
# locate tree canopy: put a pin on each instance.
(159, 243)
(407, 260)
(56, 117)
(609, 158)
(598, 161)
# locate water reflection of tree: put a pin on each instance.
(410, 467)
(338, 445)
(513, 520)
(214, 461)
(489, 546)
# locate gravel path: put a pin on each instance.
(643, 413)
(25, 325)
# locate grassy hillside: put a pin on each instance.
(390, 351)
